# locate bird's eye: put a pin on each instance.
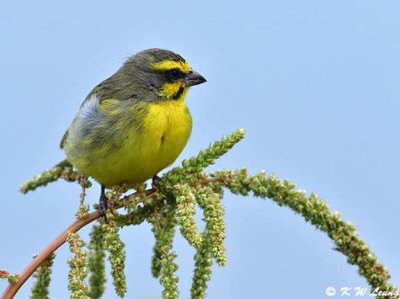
(174, 74)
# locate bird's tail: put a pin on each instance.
(47, 176)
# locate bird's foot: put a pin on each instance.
(157, 182)
(104, 205)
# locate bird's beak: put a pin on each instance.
(193, 78)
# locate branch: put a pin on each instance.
(313, 210)
(13, 288)
(186, 186)
(191, 171)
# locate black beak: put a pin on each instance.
(193, 78)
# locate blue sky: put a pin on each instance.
(315, 83)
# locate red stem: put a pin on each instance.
(13, 288)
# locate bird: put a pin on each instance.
(133, 124)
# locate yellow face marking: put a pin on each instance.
(171, 64)
(172, 91)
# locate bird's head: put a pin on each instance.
(162, 73)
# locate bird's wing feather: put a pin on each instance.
(87, 110)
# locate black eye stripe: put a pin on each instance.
(174, 74)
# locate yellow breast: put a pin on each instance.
(165, 131)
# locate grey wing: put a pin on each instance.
(88, 110)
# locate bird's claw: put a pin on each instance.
(104, 205)
(157, 182)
